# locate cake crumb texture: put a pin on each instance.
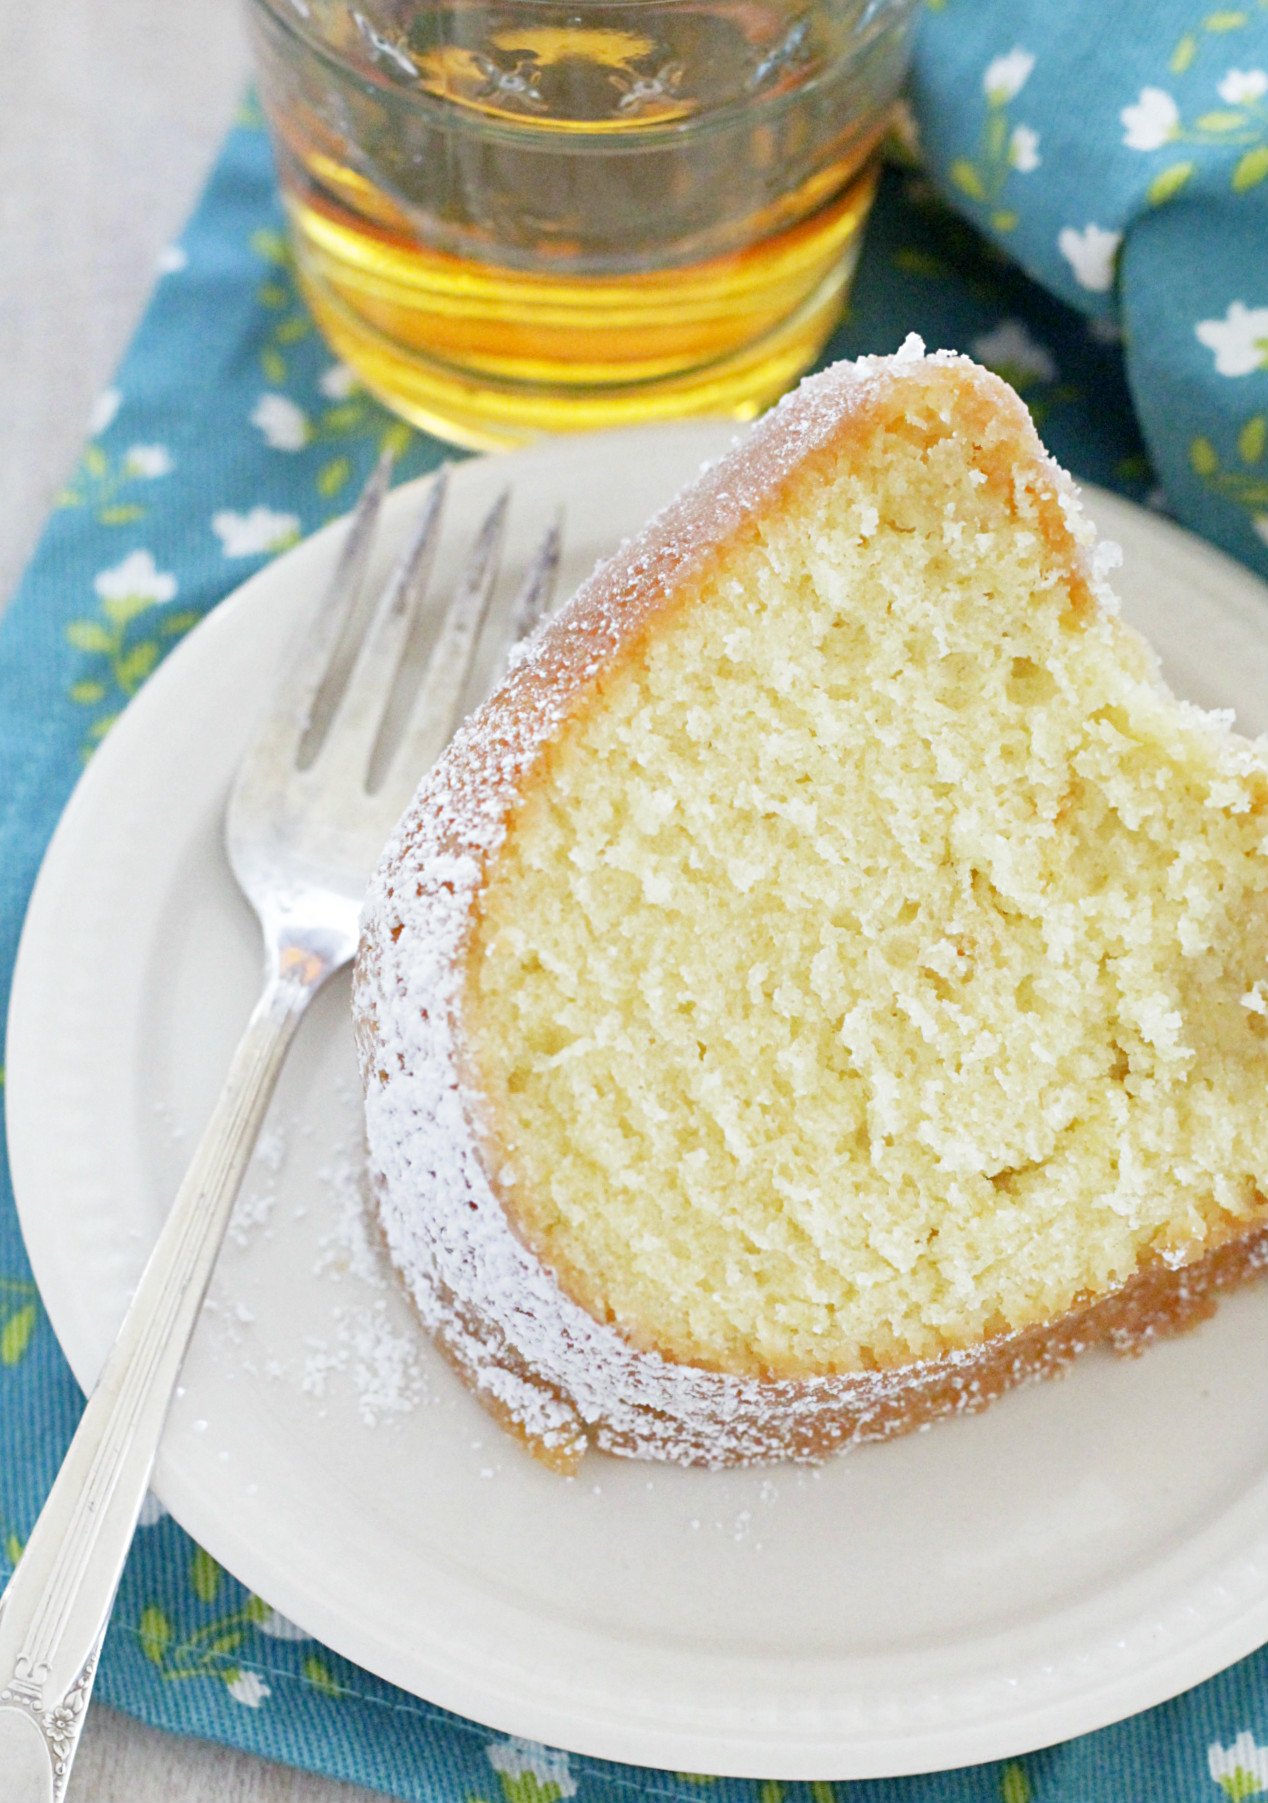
(874, 964)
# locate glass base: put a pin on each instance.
(476, 410)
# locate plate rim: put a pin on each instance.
(751, 1753)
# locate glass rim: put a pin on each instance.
(875, 16)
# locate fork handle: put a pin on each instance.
(54, 1610)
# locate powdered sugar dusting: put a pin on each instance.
(363, 1348)
(348, 1250)
(381, 1362)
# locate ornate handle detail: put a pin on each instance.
(54, 1610)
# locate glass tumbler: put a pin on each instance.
(516, 216)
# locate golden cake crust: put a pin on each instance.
(543, 1360)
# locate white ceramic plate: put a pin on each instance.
(1083, 1549)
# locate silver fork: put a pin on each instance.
(303, 827)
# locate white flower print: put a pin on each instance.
(1151, 122)
(171, 259)
(1023, 149)
(1260, 526)
(338, 382)
(1006, 76)
(256, 533)
(104, 409)
(1239, 340)
(1010, 349)
(1240, 85)
(284, 425)
(1090, 254)
(152, 1511)
(135, 579)
(1240, 1770)
(147, 460)
(248, 1688)
(280, 1627)
(549, 1765)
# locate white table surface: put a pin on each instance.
(110, 112)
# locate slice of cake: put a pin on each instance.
(827, 983)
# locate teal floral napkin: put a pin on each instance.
(1119, 152)
(228, 434)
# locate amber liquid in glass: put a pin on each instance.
(516, 218)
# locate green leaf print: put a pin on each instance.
(526, 1787)
(132, 668)
(350, 415)
(966, 178)
(88, 635)
(1252, 438)
(173, 625)
(156, 1633)
(320, 1676)
(1133, 468)
(1007, 150)
(334, 476)
(270, 245)
(204, 1575)
(12, 1549)
(1168, 183)
(1183, 54)
(1221, 121)
(133, 597)
(345, 417)
(208, 1651)
(1224, 21)
(99, 482)
(1246, 487)
(274, 365)
(15, 1336)
(19, 1313)
(120, 610)
(1240, 1784)
(396, 438)
(1203, 458)
(1014, 1786)
(1251, 169)
(914, 261)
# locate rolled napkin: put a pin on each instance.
(1120, 155)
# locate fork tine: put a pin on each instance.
(355, 726)
(301, 684)
(538, 587)
(434, 711)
